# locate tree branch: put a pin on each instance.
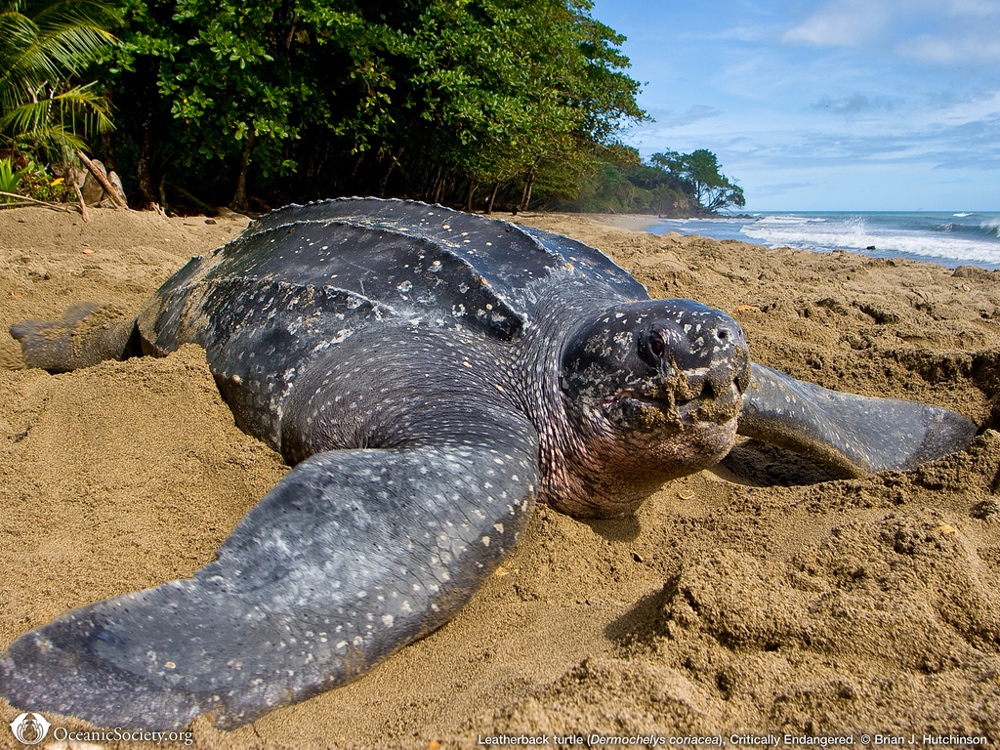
(32, 201)
(112, 192)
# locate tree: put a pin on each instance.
(206, 88)
(44, 44)
(669, 183)
(440, 99)
(700, 169)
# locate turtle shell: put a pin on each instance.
(364, 258)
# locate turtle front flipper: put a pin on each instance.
(854, 434)
(86, 334)
(351, 556)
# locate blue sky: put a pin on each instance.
(863, 105)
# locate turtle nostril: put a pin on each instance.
(707, 391)
(722, 334)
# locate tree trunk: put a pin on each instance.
(357, 165)
(147, 97)
(315, 165)
(433, 184)
(439, 185)
(393, 160)
(529, 181)
(385, 179)
(493, 197)
(240, 202)
(468, 198)
(144, 164)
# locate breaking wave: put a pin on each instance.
(949, 239)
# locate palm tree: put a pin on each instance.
(44, 44)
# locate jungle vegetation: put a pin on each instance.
(478, 104)
(444, 100)
(46, 112)
(668, 184)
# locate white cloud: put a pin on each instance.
(842, 23)
(827, 103)
(967, 47)
(746, 33)
(977, 109)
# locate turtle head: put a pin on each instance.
(653, 391)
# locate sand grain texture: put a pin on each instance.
(839, 607)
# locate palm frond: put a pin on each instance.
(43, 44)
(53, 136)
(62, 111)
(34, 53)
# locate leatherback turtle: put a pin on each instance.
(431, 375)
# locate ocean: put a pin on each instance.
(948, 239)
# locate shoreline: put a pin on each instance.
(948, 239)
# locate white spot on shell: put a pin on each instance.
(341, 336)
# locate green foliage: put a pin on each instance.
(10, 179)
(44, 44)
(669, 184)
(700, 170)
(440, 99)
(33, 181)
(37, 182)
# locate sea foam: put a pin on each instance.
(950, 239)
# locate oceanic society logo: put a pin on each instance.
(30, 729)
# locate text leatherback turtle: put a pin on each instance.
(431, 375)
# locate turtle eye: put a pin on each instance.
(652, 348)
(656, 345)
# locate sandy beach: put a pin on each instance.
(729, 605)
